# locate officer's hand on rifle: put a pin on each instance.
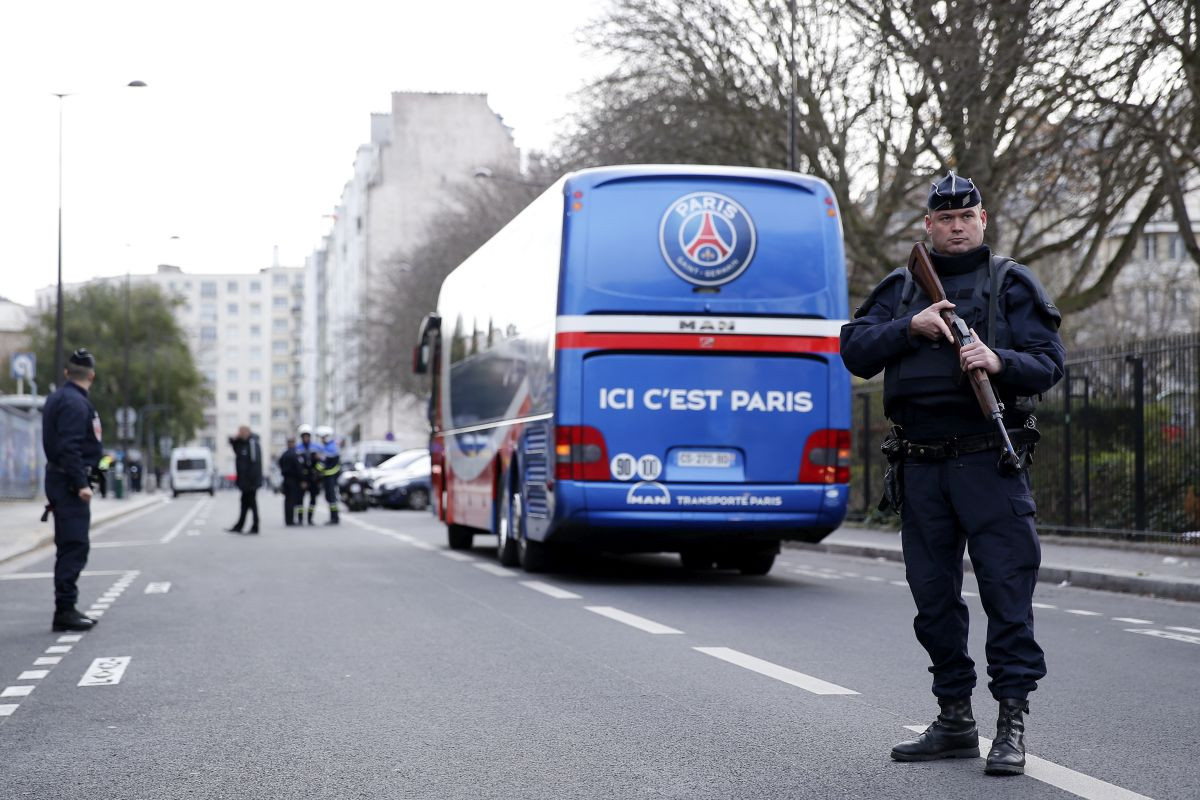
(978, 355)
(929, 323)
(85, 494)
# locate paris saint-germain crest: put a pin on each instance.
(707, 238)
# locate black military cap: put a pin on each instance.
(953, 191)
(83, 358)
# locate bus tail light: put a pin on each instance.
(580, 454)
(826, 457)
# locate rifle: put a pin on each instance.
(921, 267)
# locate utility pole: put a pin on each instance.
(791, 159)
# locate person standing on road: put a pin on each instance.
(248, 460)
(327, 469)
(952, 493)
(310, 481)
(290, 471)
(71, 438)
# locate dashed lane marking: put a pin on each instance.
(1061, 777)
(59, 648)
(97, 613)
(1178, 637)
(16, 691)
(812, 574)
(1182, 629)
(7, 710)
(96, 545)
(633, 620)
(87, 573)
(33, 674)
(421, 545)
(496, 569)
(1081, 612)
(551, 590)
(790, 676)
(161, 587)
(453, 556)
(1043, 605)
(105, 671)
(1133, 620)
(874, 579)
(899, 583)
(46, 661)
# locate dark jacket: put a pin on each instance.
(248, 455)
(290, 467)
(71, 434)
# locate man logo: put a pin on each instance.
(707, 238)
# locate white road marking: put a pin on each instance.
(551, 590)
(7, 710)
(27, 576)
(1043, 605)
(873, 578)
(97, 613)
(421, 545)
(1068, 780)
(496, 569)
(1134, 620)
(1178, 637)
(633, 620)
(790, 676)
(74, 637)
(96, 545)
(1182, 629)
(899, 583)
(33, 674)
(59, 648)
(105, 671)
(16, 691)
(179, 526)
(193, 533)
(158, 588)
(99, 606)
(1081, 612)
(46, 661)
(850, 574)
(811, 574)
(457, 556)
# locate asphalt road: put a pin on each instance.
(368, 661)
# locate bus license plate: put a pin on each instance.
(704, 458)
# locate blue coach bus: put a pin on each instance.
(646, 360)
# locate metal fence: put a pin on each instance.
(1120, 450)
(21, 456)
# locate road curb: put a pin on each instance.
(48, 538)
(1105, 580)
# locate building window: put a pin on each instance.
(231, 287)
(1149, 246)
(279, 370)
(255, 375)
(279, 393)
(279, 279)
(208, 333)
(208, 289)
(210, 376)
(231, 397)
(231, 308)
(231, 351)
(256, 419)
(208, 312)
(255, 309)
(280, 325)
(279, 301)
(256, 397)
(255, 330)
(279, 413)
(256, 352)
(231, 375)
(255, 287)
(279, 346)
(1176, 247)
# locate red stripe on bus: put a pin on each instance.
(576, 340)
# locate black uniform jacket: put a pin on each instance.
(248, 456)
(71, 434)
(290, 467)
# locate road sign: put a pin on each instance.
(126, 416)
(23, 366)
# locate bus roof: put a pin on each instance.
(599, 176)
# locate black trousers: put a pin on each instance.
(313, 490)
(249, 504)
(331, 495)
(292, 496)
(72, 518)
(965, 502)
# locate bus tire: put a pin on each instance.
(459, 537)
(507, 527)
(696, 560)
(534, 556)
(756, 563)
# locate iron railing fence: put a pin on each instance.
(1120, 450)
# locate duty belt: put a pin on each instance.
(943, 449)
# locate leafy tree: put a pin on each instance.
(108, 317)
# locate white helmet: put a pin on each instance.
(324, 431)
(303, 429)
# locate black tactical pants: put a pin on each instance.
(331, 495)
(72, 518)
(959, 502)
(312, 492)
(292, 496)
(249, 505)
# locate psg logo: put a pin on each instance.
(706, 238)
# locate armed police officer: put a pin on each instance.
(71, 435)
(327, 467)
(952, 491)
(292, 472)
(308, 452)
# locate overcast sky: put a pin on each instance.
(248, 128)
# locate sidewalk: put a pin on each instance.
(1113, 569)
(21, 531)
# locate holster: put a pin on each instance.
(893, 478)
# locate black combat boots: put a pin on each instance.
(952, 735)
(69, 619)
(1007, 756)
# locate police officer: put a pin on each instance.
(308, 453)
(328, 468)
(954, 493)
(291, 471)
(71, 439)
(248, 464)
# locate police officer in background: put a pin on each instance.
(327, 469)
(291, 472)
(953, 491)
(71, 439)
(308, 453)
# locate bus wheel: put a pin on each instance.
(696, 560)
(507, 525)
(459, 537)
(756, 562)
(534, 556)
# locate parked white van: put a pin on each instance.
(192, 470)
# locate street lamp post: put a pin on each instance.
(58, 311)
(791, 159)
